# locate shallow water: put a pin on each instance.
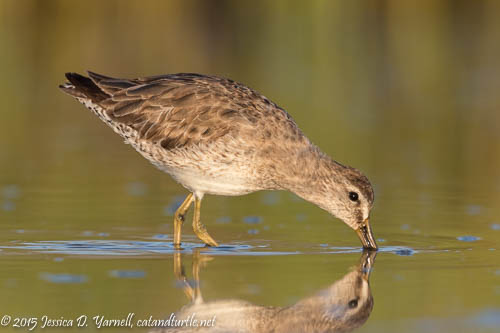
(407, 94)
(425, 278)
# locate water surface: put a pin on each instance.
(406, 93)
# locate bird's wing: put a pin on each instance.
(178, 110)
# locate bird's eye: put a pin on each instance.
(353, 196)
(352, 304)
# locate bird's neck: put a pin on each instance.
(311, 174)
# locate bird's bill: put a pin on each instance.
(366, 263)
(365, 234)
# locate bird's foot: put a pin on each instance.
(202, 233)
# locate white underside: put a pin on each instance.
(225, 183)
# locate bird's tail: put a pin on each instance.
(80, 86)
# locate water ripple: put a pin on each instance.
(102, 247)
(122, 274)
(398, 250)
(63, 278)
(136, 248)
(468, 238)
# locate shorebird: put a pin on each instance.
(216, 136)
(342, 307)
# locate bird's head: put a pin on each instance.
(344, 192)
(351, 201)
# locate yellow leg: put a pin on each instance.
(181, 277)
(179, 218)
(199, 228)
(199, 261)
(191, 289)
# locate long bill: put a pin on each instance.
(365, 234)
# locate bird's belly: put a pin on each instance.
(203, 173)
(226, 183)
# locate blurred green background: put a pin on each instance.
(408, 92)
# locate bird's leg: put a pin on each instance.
(199, 228)
(191, 288)
(179, 219)
(199, 261)
(181, 277)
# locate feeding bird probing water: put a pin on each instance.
(217, 136)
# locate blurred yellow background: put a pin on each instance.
(408, 92)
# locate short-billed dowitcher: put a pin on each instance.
(217, 136)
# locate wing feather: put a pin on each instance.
(179, 110)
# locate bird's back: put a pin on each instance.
(194, 123)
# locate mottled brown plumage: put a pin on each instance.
(217, 136)
(180, 110)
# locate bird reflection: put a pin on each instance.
(342, 307)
